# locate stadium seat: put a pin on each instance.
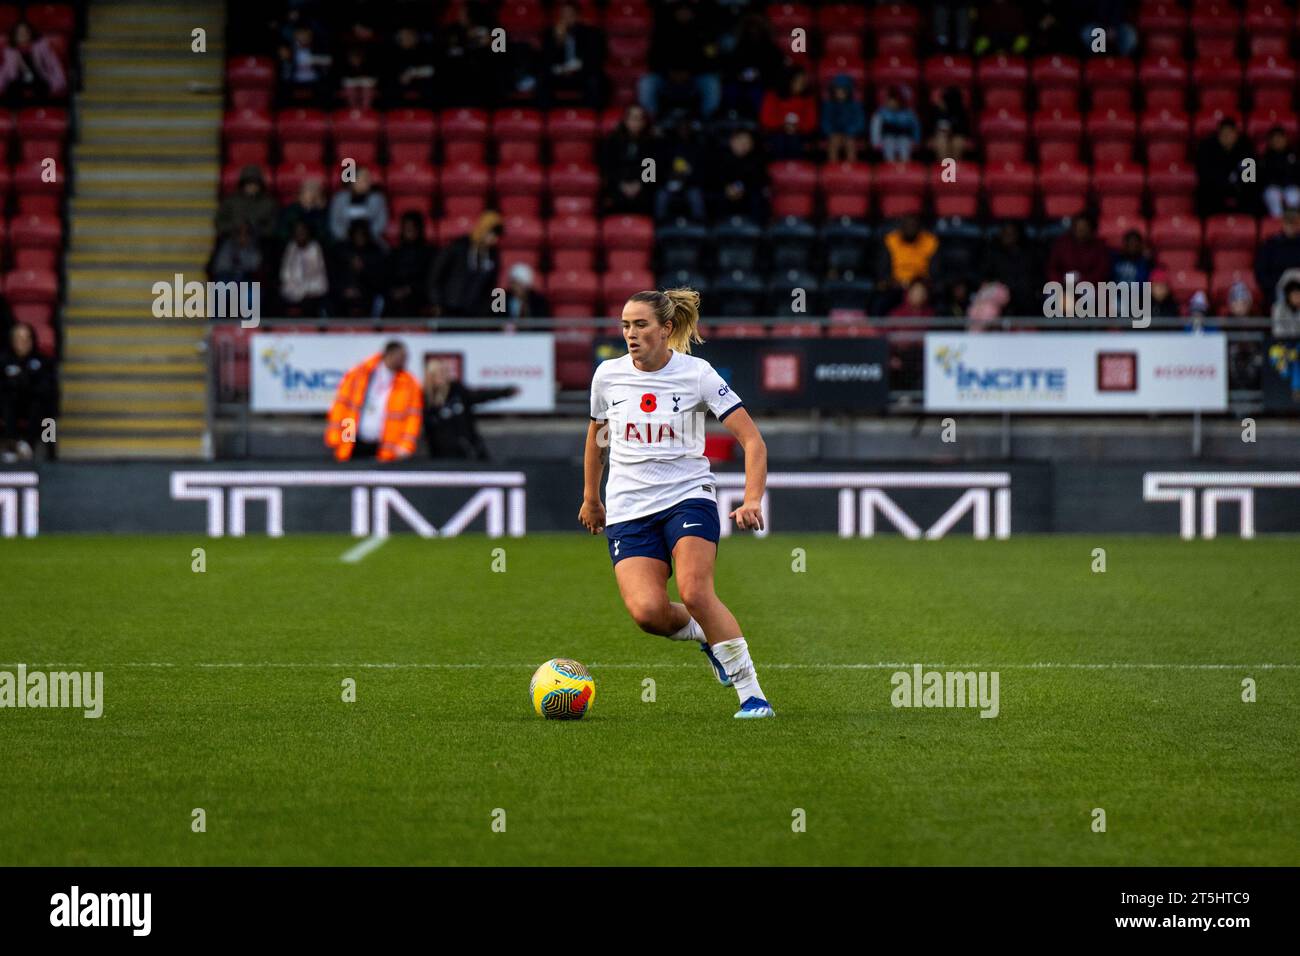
(463, 124)
(1064, 187)
(1172, 187)
(1230, 232)
(736, 244)
(847, 188)
(961, 196)
(1176, 232)
(1119, 188)
(901, 188)
(1010, 190)
(738, 294)
(681, 245)
(847, 245)
(794, 185)
(791, 242)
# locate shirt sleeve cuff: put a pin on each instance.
(723, 416)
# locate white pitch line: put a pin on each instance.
(360, 551)
(883, 665)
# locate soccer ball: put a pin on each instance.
(562, 689)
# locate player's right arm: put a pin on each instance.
(592, 513)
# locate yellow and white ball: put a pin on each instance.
(562, 689)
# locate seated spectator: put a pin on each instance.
(249, 203)
(450, 427)
(987, 306)
(1241, 303)
(522, 300)
(1111, 17)
(358, 274)
(27, 394)
(950, 125)
(952, 21)
(1278, 253)
(310, 207)
(410, 70)
(1131, 263)
(359, 80)
(1286, 307)
(573, 60)
(1002, 27)
(789, 118)
(464, 273)
(468, 69)
(621, 157)
(304, 279)
(956, 299)
(1078, 251)
(741, 181)
(843, 121)
(359, 202)
(238, 257)
(752, 65)
(1013, 263)
(1279, 173)
(906, 256)
(895, 130)
(304, 70)
(1163, 303)
(916, 301)
(1219, 186)
(681, 186)
(408, 268)
(30, 70)
(683, 59)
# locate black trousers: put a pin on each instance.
(365, 450)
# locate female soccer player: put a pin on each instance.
(661, 494)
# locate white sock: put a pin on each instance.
(733, 655)
(691, 632)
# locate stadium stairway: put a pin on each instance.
(146, 164)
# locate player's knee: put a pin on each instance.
(649, 615)
(696, 595)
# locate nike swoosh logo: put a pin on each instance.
(619, 402)
(696, 525)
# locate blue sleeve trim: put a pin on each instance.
(723, 416)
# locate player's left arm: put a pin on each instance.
(750, 514)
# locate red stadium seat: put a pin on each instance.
(1054, 72)
(1103, 125)
(1119, 188)
(945, 71)
(250, 72)
(302, 125)
(901, 188)
(409, 125)
(895, 71)
(365, 153)
(794, 183)
(289, 178)
(1185, 282)
(1165, 125)
(1059, 98)
(1112, 229)
(1112, 151)
(617, 286)
(1230, 232)
(1049, 152)
(518, 179)
(246, 124)
(453, 227)
(1172, 187)
(573, 179)
(1064, 187)
(961, 197)
(1010, 189)
(463, 124)
(1163, 71)
(517, 124)
(847, 188)
(1002, 70)
(30, 286)
(1057, 125)
(465, 179)
(573, 287)
(1176, 232)
(842, 17)
(571, 124)
(1108, 72)
(1261, 121)
(627, 232)
(1003, 126)
(412, 179)
(36, 232)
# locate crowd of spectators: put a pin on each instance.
(719, 101)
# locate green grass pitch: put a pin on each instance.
(411, 773)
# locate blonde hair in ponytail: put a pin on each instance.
(682, 308)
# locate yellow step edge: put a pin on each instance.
(176, 443)
(78, 348)
(171, 424)
(75, 388)
(72, 406)
(91, 369)
(86, 333)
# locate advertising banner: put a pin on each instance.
(301, 372)
(1051, 372)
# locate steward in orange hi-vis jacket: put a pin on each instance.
(378, 409)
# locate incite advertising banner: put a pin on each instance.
(301, 372)
(1065, 372)
(793, 373)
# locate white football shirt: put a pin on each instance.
(656, 432)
